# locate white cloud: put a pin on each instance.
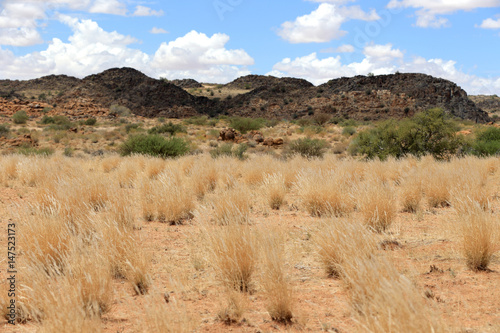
(345, 48)
(114, 7)
(20, 19)
(90, 50)
(382, 59)
(146, 11)
(490, 24)
(156, 30)
(427, 16)
(323, 24)
(199, 56)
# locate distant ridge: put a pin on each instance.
(359, 97)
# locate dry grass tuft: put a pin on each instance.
(233, 307)
(385, 301)
(326, 193)
(479, 236)
(340, 241)
(275, 190)
(377, 204)
(276, 284)
(231, 205)
(410, 192)
(233, 252)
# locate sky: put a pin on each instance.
(217, 41)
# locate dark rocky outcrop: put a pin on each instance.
(360, 97)
(187, 83)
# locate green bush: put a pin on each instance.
(154, 145)
(244, 125)
(4, 131)
(430, 132)
(201, 120)
(132, 127)
(487, 142)
(68, 152)
(119, 111)
(47, 120)
(308, 147)
(169, 127)
(90, 122)
(349, 131)
(227, 150)
(36, 151)
(20, 117)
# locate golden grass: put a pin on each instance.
(377, 204)
(170, 317)
(275, 190)
(231, 205)
(279, 293)
(479, 236)
(326, 193)
(339, 241)
(385, 301)
(410, 192)
(232, 307)
(233, 253)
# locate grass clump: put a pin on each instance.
(228, 150)
(308, 147)
(154, 145)
(4, 131)
(479, 230)
(169, 128)
(20, 117)
(339, 241)
(245, 125)
(275, 281)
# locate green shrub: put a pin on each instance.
(169, 127)
(4, 131)
(68, 152)
(119, 111)
(20, 117)
(487, 142)
(154, 145)
(201, 120)
(227, 149)
(429, 132)
(132, 127)
(244, 125)
(36, 151)
(47, 120)
(308, 147)
(349, 131)
(90, 122)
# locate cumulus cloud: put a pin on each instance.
(323, 24)
(21, 19)
(18, 23)
(491, 24)
(382, 59)
(90, 50)
(198, 55)
(345, 48)
(114, 7)
(146, 11)
(156, 30)
(427, 15)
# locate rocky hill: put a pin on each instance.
(490, 104)
(360, 97)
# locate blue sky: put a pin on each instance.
(220, 40)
